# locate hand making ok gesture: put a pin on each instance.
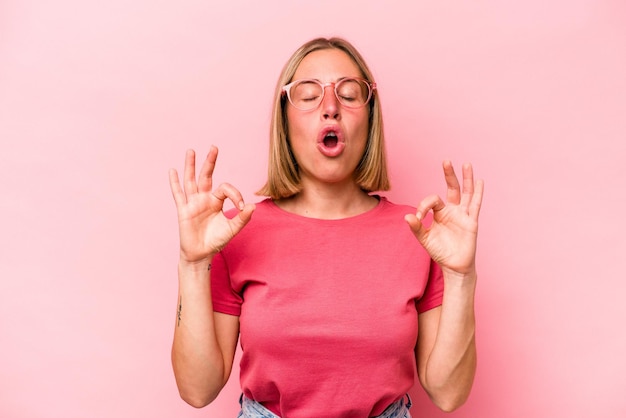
(451, 238)
(204, 229)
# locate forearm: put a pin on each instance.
(449, 372)
(197, 359)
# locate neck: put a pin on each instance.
(329, 202)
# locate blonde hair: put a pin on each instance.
(283, 176)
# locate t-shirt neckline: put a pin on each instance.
(382, 201)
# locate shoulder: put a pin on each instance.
(397, 210)
(390, 209)
(266, 219)
(390, 206)
(263, 207)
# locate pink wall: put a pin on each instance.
(99, 99)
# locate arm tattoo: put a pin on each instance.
(180, 309)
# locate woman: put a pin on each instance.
(327, 283)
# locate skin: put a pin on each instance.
(324, 179)
(204, 342)
(446, 346)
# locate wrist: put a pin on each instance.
(202, 264)
(462, 278)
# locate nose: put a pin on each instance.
(330, 104)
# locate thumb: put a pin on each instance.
(243, 217)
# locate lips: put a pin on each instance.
(330, 141)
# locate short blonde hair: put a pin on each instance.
(283, 176)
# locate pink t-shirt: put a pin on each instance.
(328, 308)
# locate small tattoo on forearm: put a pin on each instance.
(209, 267)
(180, 309)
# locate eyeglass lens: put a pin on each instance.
(352, 93)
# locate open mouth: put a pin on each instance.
(330, 140)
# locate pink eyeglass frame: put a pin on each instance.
(286, 90)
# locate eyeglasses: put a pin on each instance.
(351, 92)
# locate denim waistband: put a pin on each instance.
(253, 409)
(398, 409)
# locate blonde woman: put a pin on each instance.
(336, 294)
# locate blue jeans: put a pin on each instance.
(252, 409)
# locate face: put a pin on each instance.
(327, 142)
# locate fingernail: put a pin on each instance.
(419, 215)
(241, 205)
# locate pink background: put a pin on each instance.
(99, 99)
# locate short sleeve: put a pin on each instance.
(225, 298)
(433, 294)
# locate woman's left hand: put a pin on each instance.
(451, 238)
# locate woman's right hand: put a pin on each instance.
(203, 227)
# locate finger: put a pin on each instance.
(416, 225)
(432, 202)
(468, 185)
(227, 191)
(177, 191)
(189, 174)
(454, 190)
(205, 179)
(477, 199)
